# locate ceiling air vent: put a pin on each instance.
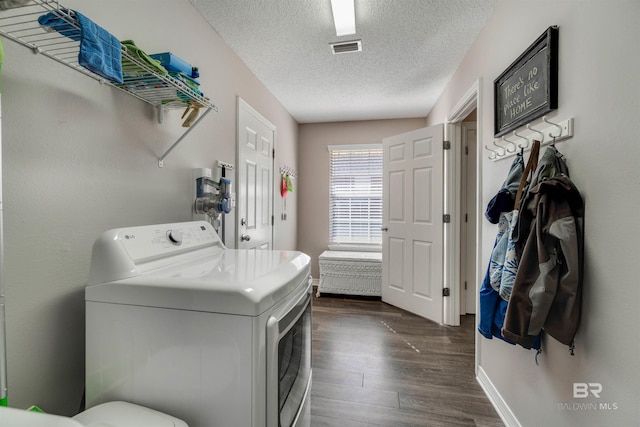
(346, 47)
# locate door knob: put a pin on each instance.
(243, 221)
(245, 237)
(384, 228)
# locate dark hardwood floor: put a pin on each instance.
(376, 365)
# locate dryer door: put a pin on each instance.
(288, 362)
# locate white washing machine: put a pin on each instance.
(213, 336)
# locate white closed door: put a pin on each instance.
(254, 205)
(412, 248)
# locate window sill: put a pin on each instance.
(355, 247)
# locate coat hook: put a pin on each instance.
(515, 146)
(493, 155)
(536, 131)
(544, 119)
(503, 148)
(521, 137)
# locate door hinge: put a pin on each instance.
(466, 149)
(465, 286)
(446, 218)
(466, 217)
(273, 220)
(273, 153)
(446, 145)
(446, 292)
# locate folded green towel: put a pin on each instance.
(142, 56)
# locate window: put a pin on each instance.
(355, 194)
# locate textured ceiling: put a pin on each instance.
(410, 49)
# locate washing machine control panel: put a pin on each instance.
(164, 240)
(175, 237)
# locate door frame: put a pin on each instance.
(242, 105)
(468, 161)
(470, 101)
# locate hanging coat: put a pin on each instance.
(547, 292)
(492, 307)
(503, 200)
(499, 211)
(551, 164)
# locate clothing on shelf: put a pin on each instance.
(100, 52)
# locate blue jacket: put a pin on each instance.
(493, 310)
(493, 307)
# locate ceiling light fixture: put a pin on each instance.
(344, 17)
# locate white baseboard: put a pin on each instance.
(497, 401)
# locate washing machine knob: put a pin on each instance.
(175, 237)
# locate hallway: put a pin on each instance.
(377, 365)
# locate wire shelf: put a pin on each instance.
(20, 24)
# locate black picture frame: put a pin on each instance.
(528, 88)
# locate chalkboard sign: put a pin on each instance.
(528, 88)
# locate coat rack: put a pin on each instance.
(286, 170)
(509, 146)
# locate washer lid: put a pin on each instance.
(123, 414)
(232, 281)
(14, 417)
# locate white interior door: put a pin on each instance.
(412, 248)
(254, 206)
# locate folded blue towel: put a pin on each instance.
(100, 52)
(63, 22)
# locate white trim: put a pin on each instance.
(465, 162)
(451, 242)
(354, 147)
(469, 102)
(479, 210)
(501, 407)
(466, 104)
(354, 247)
(3, 307)
(244, 104)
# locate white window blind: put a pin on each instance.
(355, 194)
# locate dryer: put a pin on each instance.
(215, 336)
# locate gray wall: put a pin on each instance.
(599, 87)
(81, 157)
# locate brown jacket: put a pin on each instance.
(548, 287)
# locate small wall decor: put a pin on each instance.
(528, 88)
(286, 170)
(286, 186)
